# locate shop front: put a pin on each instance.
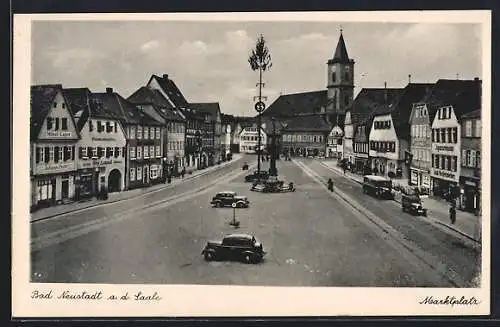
(420, 178)
(470, 194)
(53, 183)
(361, 163)
(443, 183)
(95, 175)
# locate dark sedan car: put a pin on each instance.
(241, 247)
(256, 175)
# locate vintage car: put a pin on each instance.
(272, 186)
(413, 204)
(255, 176)
(377, 186)
(241, 247)
(227, 198)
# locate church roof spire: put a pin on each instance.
(341, 51)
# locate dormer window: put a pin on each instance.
(49, 123)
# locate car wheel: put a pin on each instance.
(247, 258)
(209, 256)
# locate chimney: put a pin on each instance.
(385, 92)
(165, 76)
(409, 79)
(109, 90)
(476, 79)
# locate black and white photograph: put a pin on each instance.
(221, 164)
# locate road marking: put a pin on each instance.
(389, 234)
(71, 232)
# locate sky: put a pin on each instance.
(208, 60)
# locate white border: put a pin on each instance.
(188, 300)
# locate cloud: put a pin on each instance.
(73, 57)
(150, 45)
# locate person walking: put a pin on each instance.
(183, 172)
(330, 185)
(453, 214)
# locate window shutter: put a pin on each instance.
(57, 124)
(37, 155)
(47, 154)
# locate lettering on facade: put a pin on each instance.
(414, 177)
(55, 167)
(107, 139)
(98, 163)
(444, 148)
(470, 183)
(445, 174)
(58, 134)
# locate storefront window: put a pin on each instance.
(132, 174)
(153, 172)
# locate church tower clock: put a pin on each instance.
(340, 82)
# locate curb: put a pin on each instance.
(132, 196)
(434, 219)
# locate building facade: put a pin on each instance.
(334, 146)
(385, 148)
(348, 141)
(249, 139)
(420, 147)
(54, 136)
(306, 135)
(361, 147)
(470, 173)
(445, 168)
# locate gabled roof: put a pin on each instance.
(211, 108)
(310, 123)
(368, 101)
(340, 55)
(463, 95)
(41, 99)
(472, 114)
(146, 95)
(292, 104)
(401, 107)
(171, 89)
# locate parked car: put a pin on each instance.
(227, 198)
(241, 247)
(255, 176)
(378, 186)
(413, 204)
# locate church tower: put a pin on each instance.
(340, 82)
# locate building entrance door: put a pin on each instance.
(65, 189)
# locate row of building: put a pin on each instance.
(82, 142)
(428, 134)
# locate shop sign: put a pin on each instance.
(414, 177)
(59, 134)
(426, 180)
(471, 183)
(55, 167)
(106, 139)
(449, 148)
(99, 162)
(444, 174)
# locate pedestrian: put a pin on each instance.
(330, 185)
(183, 172)
(169, 179)
(453, 214)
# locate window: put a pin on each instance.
(158, 151)
(109, 152)
(464, 157)
(60, 153)
(157, 133)
(334, 76)
(139, 173)
(132, 174)
(433, 135)
(54, 105)
(83, 151)
(139, 152)
(64, 124)
(454, 135)
(99, 126)
(139, 133)
(472, 158)
(152, 150)
(448, 135)
(469, 159)
(91, 126)
(146, 133)
(478, 159)
(117, 152)
(346, 98)
(153, 172)
(132, 132)
(477, 129)
(454, 163)
(132, 152)
(468, 128)
(109, 128)
(116, 126)
(442, 131)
